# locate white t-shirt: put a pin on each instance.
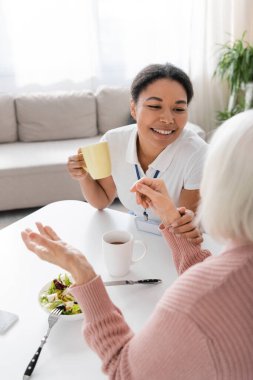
(180, 164)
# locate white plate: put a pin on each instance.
(73, 317)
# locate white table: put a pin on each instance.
(66, 355)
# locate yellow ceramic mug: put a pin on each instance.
(97, 159)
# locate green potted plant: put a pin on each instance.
(235, 65)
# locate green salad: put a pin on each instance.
(57, 294)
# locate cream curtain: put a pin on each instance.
(72, 44)
(218, 22)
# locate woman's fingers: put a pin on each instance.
(146, 190)
(154, 183)
(36, 243)
(25, 234)
(48, 250)
(158, 185)
(133, 188)
(186, 227)
(183, 225)
(58, 253)
(30, 244)
(187, 216)
(76, 162)
(189, 232)
(194, 235)
(47, 231)
(76, 165)
(139, 200)
(197, 240)
(142, 200)
(145, 180)
(76, 158)
(152, 188)
(28, 230)
(41, 229)
(146, 198)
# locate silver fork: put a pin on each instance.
(52, 319)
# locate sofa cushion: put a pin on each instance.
(8, 125)
(113, 105)
(56, 116)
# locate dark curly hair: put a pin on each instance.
(154, 72)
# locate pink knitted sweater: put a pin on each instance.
(202, 328)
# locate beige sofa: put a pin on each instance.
(39, 131)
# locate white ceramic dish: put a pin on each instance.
(73, 317)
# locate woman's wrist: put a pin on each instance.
(86, 176)
(80, 269)
(169, 213)
(170, 216)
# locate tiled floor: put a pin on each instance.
(8, 217)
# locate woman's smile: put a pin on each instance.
(161, 113)
(163, 132)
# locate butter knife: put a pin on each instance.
(151, 281)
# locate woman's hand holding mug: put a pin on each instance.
(76, 165)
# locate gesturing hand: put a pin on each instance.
(153, 193)
(49, 247)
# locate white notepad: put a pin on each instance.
(7, 319)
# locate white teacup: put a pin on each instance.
(97, 159)
(118, 248)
